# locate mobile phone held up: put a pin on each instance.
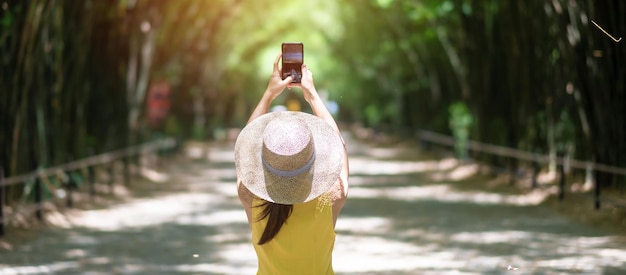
(293, 57)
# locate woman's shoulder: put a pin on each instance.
(338, 191)
(244, 194)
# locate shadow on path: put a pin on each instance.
(404, 216)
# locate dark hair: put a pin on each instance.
(276, 215)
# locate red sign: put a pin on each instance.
(158, 103)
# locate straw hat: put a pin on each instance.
(288, 157)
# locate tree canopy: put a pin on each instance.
(534, 75)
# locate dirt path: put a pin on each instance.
(405, 215)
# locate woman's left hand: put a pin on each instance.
(276, 84)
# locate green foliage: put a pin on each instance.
(70, 82)
(460, 123)
(460, 116)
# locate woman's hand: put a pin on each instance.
(306, 84)
(276, 84)
(307, 79)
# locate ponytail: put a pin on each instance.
(276, 215)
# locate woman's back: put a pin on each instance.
(303, 245)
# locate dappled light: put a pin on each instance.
(448, 194)
(154, 176)
(485, 137)
(365, 166)
(398, 220)
(196, 152)
(458, 173)
(144, 213)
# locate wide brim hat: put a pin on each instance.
(313, 174)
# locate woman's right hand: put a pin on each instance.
(276, 84)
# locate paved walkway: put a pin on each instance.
(405, 215)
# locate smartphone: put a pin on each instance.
(293, 57)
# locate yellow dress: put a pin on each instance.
(304, 244)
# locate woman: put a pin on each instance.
(292, 180)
